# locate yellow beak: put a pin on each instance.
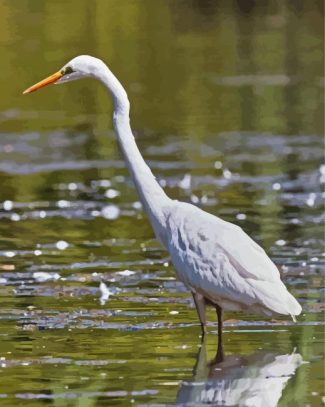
(51, 79)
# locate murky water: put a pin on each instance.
(227, 108)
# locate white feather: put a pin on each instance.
(219, 260)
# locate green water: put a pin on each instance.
(227, 107)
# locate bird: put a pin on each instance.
(215, 259)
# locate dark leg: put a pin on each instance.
(220, 355)
(200, 304)
(201, 365)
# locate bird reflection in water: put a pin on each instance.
(255, 380)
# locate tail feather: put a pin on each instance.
(293, 306)
(276, 297)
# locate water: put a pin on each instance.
(227, 109)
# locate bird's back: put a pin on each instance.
(220, 261)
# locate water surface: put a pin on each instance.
(227, 108)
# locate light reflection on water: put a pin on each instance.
(227, 109)
(253, 380)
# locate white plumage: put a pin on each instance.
(220, 261)
(216, 260)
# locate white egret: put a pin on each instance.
(216, 260)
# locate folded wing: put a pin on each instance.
(219, 259)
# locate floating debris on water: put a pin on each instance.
(15, 217)
(7, 267)
(102, 183)
(276, 186)
(311, 199)
(185, 182)
(183, 347)
(61, 245)
(62, 203)
(42, 276)
(110, 212)
(72, 186)
(322, 173)
(112, 193)
(227, 174)
(280, 242)
(105, 293)
(218, 165)
(137, 205)
(126, 273)
(10, 254)
(295, 221)
(195, 199)
(7, 205)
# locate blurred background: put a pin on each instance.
(227, 105)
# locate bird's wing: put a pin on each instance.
(201, 231)
(218, 257)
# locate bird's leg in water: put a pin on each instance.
(200, 304)
(220, 355)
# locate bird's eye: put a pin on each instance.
(67, 70)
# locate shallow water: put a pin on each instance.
(227, 110)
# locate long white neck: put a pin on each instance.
(151, 194)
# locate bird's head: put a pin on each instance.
(79, 67)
